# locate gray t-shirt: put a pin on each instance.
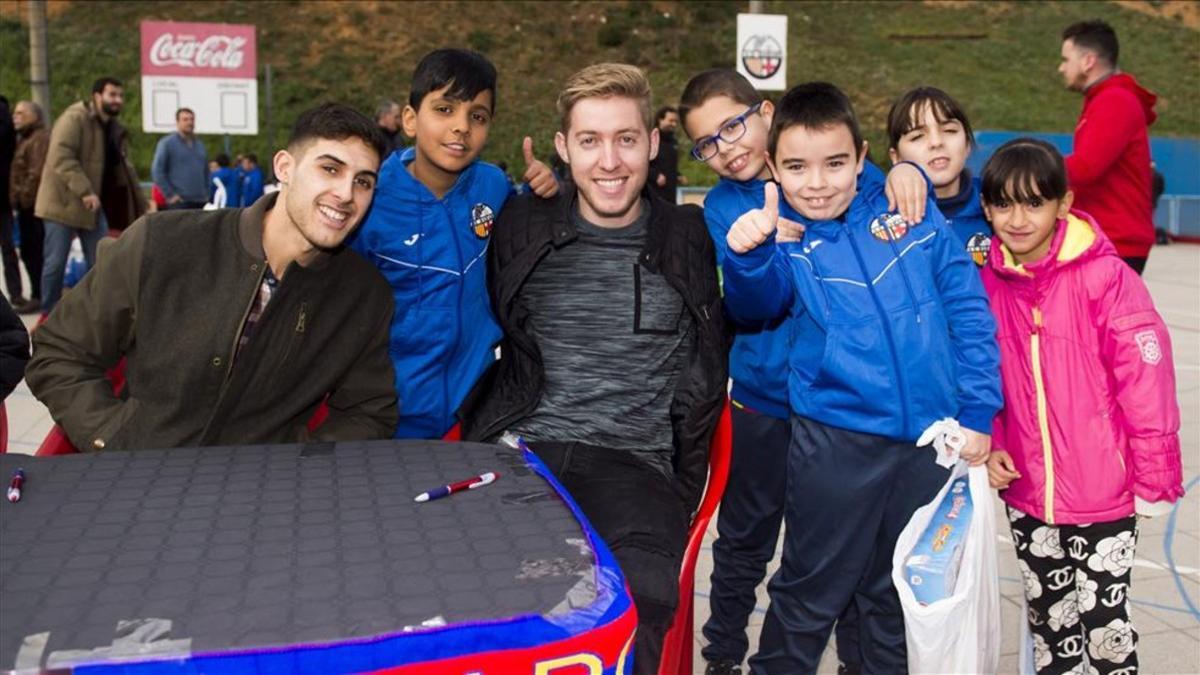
(614, 338)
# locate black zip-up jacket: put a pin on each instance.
(678, 248)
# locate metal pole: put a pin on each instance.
(39, 62)
(756, 6)
(268, 164)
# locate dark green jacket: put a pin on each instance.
(171, 294)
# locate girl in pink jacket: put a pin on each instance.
(1089, 433)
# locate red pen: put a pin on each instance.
(468, 484)
(14, 485)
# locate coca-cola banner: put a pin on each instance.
(208, 67)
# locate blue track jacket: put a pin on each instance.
(758, 360)
(891, 329)
(433, 252)
(964, 214)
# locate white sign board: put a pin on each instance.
(208, 67)
(762, 50)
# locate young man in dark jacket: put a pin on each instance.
(237, 323)
(613, 364)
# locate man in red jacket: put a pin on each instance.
(1109, 169)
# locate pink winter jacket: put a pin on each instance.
(1090, 416)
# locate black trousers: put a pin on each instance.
(849, 495)
(747, 529)
(1077, 587)
(33, 232)
(8, 252)
(1138, 264)
(641, 518)
(747, 532)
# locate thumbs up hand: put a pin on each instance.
(539, 176)
(756, 226)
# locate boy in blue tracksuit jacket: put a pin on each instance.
(728, 120)
(428, 233)
(891, 333)
(229, 181)
(251, 187)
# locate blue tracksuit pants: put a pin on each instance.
(849, 495)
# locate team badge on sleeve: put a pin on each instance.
(482, 219)
(1147, 342)
(889, 227)
(978, 246)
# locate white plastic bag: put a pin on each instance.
(959, 634)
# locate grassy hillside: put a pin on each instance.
(357, 52)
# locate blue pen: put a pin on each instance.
(14, 485)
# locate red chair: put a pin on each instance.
(56, 441)
(678, 645)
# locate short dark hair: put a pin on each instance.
(903, 117)
(221, 159)
(337, 122)
(1095, 36)
(467, 73)
(663, 112)
(253, 157)
(1022, 170)
(713, 83)
(100, 83)
(184, 110)
(814, 105)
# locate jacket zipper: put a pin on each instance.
(447, 414)
(887, 330)
(501, 424)
(912, 297)
(1039, 385)
(301, 320)
(237, 336)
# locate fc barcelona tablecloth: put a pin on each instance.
(304, 558)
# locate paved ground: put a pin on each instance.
(1166, 578)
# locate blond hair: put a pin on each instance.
(605, 80)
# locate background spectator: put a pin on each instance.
(33, 139)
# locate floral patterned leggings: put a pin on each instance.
(1077, 584)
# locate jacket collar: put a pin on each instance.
(31, 129)
(861, 210)
(966, 202)
(566, 231)
(250, 232)
(409, 183)
(1076, 237)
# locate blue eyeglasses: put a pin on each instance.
(706, 148)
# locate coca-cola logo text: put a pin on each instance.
(214, 51)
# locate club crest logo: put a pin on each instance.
(889, 223)
(762, 55)
(1147, 342)
(978, 246)
(482, 219)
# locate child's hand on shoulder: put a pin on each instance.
(907, 192)
(757, 225)
(539, 176)
(1001, 470)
